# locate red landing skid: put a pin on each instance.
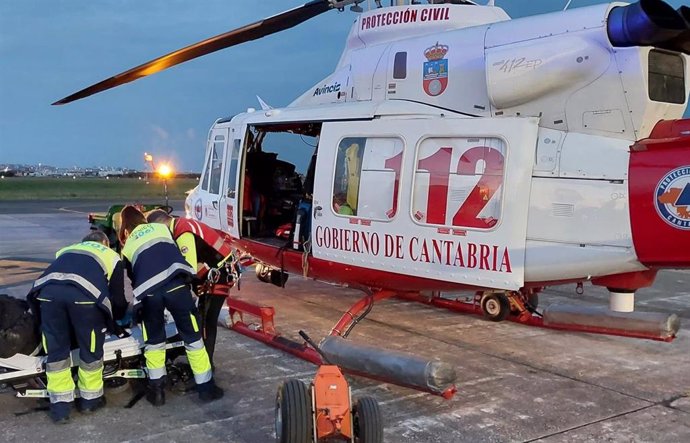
(265, 332)
(520, 314)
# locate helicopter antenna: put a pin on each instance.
(264, 106)
(490, 3)
(567, 4)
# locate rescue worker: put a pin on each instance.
(160, 280)
(80, 294)
(204, 248)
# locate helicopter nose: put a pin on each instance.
(659, 186)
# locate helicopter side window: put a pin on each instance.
(458, 182)
(666, 77)
(367, 177)
(216, 164)
(400, 66)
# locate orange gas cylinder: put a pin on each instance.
(333, 417)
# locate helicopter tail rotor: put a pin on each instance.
(645, 23)
(262, 28)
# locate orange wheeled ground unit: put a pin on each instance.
(324, 411)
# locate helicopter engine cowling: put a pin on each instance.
(557, 64)
(645, 23)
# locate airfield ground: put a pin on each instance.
(113, 188)
(515, 383)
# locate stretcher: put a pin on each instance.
(122, 358)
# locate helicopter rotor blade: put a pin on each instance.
(253, 31)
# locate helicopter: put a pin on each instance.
(456, 149)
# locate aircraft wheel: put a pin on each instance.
(263, 273)
(495, 307)
(367, 421)
(115, 385)
(293, 413)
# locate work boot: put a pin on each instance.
(59, 412)
(91, 405)
(209, 391)
(155, 393)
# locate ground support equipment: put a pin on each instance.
(324, 411)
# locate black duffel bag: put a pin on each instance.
(18, 327)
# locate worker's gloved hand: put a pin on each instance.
(197, 284)
(120, 331)
(125, 321)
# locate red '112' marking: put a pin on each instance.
(438, 166)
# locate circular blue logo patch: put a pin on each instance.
(198, 213)
(672, 198)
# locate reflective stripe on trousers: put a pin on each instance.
(155, 360)
(60, 382)
(199, 361)
(91, 379)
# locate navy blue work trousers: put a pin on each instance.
(177, 298)
(66, 312)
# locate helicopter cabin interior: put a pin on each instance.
(277, 182)
(278, 176)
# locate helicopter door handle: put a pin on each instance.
(215, 204)
(317, 211)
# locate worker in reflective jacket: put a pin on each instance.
(81, 293)
(205, 249)
(161, 280)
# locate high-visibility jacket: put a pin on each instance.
(153, 259)
(200, 244)
(353, 161)
(92, 267)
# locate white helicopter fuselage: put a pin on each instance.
(490, 153)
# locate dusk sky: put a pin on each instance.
(52, 48)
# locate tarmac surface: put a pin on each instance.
(515, 383)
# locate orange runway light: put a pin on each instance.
(165, 170)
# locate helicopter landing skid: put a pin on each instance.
(513, 306)
(265, 331)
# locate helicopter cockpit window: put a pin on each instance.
(216, 164)
(367, 177)
(400, 66)
(207, 172)
(458, 182)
